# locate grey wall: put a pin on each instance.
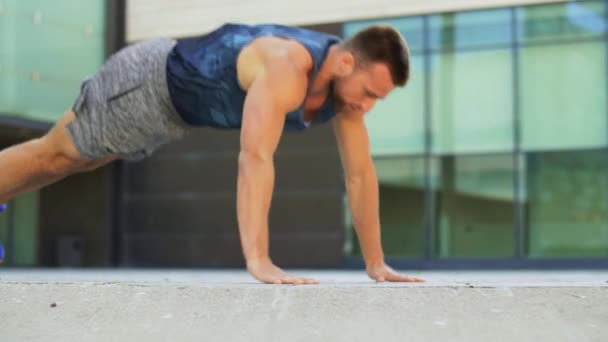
(75, 226)
(178, 208)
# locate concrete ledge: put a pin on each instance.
(190, 305)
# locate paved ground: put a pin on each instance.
(193, 305)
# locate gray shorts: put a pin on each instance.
(125, 109)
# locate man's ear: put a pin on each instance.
(346, 63)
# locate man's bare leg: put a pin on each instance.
(42, 161)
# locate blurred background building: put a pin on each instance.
(493, 156)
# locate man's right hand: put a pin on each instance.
(265, 271)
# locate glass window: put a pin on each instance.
(45, 54)
(563, 96)
(474, 203)
(471, 82)
(472, 102)
(562, 107)
(573, 20)
(567, 203)
(470, 30)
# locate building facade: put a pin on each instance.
(496, 150)
(494, 154)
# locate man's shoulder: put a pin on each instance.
(281, 51)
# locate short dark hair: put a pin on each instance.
(384, 44)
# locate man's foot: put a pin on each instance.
(2, 207)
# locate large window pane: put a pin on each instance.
(474, 206)
(562, 107)
(565, 21)
(563, 96)
(472, 102)
(45, 54)
(401, 183)
(567, 203)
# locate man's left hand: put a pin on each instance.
(383, 272)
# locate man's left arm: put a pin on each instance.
(362, 190)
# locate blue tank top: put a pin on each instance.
(202, 75)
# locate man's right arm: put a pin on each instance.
(278, 87)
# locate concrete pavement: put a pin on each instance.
(229, 305)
